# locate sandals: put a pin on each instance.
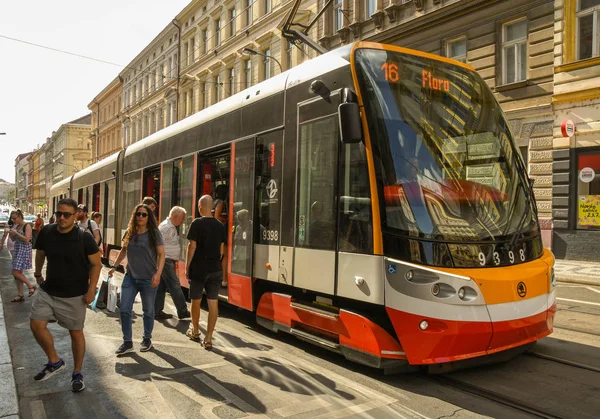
(18, 299)
(193, 336)
(207, 345)
(32, 291)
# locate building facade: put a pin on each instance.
(229, 46)
(107, 133)
(150, 87)
(71, 148)
(576, 153)
(21, 180)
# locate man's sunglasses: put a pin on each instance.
(141, 214)
(64, 214)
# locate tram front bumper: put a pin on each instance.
(475, 331)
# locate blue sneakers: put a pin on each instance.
(77, 383)
(49, 370)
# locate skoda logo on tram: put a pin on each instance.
(522, 289)
(272, 188)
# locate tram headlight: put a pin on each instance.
(435, 289)
(461, 293)
(408, 275)
(552, 279)
(423, 325)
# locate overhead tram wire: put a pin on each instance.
(72, 53)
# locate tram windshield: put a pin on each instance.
(447, 167)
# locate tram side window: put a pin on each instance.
(268, 161)
(317, 179)
(356, 232)
(132, 186)
(243, 208)
(166, 189)
(183, 182)
(109, 217)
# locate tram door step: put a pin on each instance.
(311, 308)
(317, 340)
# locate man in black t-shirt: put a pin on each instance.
(204, 253)
(71, 277)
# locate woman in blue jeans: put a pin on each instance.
(143, 247)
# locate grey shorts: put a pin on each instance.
(68, 312)
(210, 283)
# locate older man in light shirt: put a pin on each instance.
(169, 280)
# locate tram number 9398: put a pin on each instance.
(270, 235)
(497, 258)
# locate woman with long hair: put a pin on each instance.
(20, 233)
(143, 247)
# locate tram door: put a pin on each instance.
(267, 215)
(242, 222)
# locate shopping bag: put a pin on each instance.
(111, 305)
(100, 298)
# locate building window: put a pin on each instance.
(186, 53)
(338, 16)
(169, 67)
(248, 74)
(248, 9)
(588, 29)
(514, 52)
(192, 43)
(217, 32)
(457, 49)
(267, 6)
(191, 102)
(371, 8)
(231, 81)
(204, 96)
(288, 53)
(161, 74)
(217, 88)
(267, 64)
(588, 190)
(204, 41)
(232, 22)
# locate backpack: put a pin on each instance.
(89, 227)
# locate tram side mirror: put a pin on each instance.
(349, 119)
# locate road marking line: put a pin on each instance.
(353, 410)
(579, 301)
(37, 409)
(593, 289)
(303, 407)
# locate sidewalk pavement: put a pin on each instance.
(9, 405)
(577, 272)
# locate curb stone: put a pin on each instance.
(9, 404)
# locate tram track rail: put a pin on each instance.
(576, 329)
(563, 361)
(492, 396)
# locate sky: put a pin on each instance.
(42, 89)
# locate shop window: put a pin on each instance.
(588, 29)
(588, 191)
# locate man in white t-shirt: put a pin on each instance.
(86, 224)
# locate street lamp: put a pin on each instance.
(249, 51)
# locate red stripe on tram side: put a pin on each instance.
(239, 287)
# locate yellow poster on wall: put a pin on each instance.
(589, 210)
